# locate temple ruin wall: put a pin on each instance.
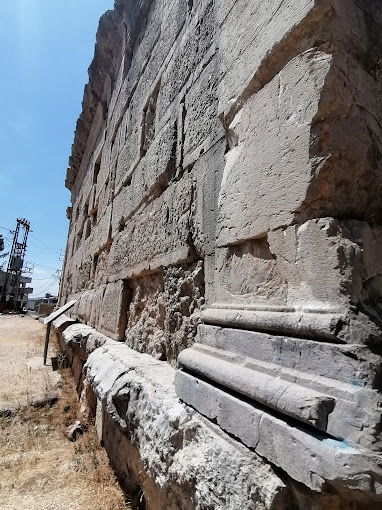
(225, 251)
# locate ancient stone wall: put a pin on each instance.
(226, 181)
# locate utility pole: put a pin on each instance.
(16, 261)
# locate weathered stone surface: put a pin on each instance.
(165, 310)
(277, 34)
(309, 458)
(183, 461)
(112, 318)
(167, 219)
(185, 456)
(82, 340)
(278, 117)
(330, 387)
(322, 267)
(226, 170)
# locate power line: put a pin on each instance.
(50, 246)
(45, 286)
(46, 267)
(47, 289)
(50, 286)
(36, 238)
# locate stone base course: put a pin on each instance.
(183, 461)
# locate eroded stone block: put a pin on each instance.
(174, 443)
(112, 318)
(164, 310)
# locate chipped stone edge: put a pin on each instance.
(178, 446)
(134, 387)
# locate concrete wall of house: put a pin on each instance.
(226, 220)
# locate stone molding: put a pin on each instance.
(182, 458)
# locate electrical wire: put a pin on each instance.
(50, 286)
(45, 286)
(42, 288)
(49, 246)
(40, 265)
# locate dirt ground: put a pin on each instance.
(23, 375)
(40, 468)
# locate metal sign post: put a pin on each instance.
(47, 341)
(48, 321)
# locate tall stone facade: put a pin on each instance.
(225, 251)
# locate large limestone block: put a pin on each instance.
(159, 235)
(101, 232)
(332, 264)
(104, 195)
(202, 127)
(113, 312)
(319, 271)
(327, 152)
(345, 146)
(184, 455)
(207, 172)
(272, 155)
(122, 208)
(260, 34)
(97, 305)
(81, 340)
(84, 306)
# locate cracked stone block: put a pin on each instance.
(188, 458)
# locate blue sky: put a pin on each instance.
(45, 49)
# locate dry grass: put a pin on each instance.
(23, 375)
(42, 470)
